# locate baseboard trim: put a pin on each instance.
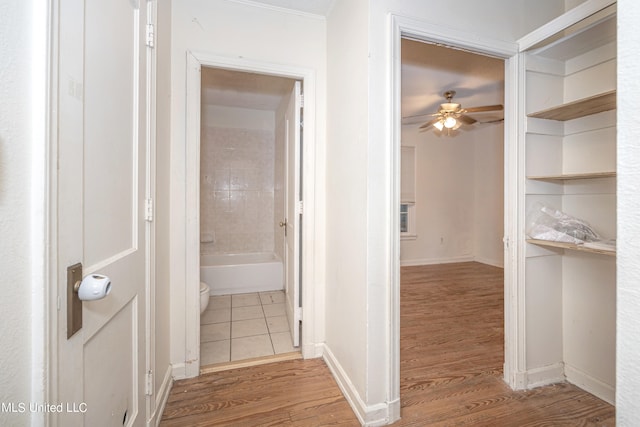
(590, 384)
(369, 416)
(431, 261)
(179, 371)
(550, 374)
(312, 351)
(163, 396)
(491, 262)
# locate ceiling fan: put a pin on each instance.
(451, 115)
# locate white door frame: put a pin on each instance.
(514, 332)
(195, 60)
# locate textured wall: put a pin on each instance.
(628, 319)
(15, 210)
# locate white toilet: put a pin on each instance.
(204, 296)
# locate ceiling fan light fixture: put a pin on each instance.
(450, 106)
(450, 122)
(439, 125)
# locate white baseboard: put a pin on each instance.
(312, 351)
(163, 395)
(179, 371)
(431, 261)
(491, 262)
(369, 416)
(591, 385)
(550, 374)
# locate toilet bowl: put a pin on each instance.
(204, 296)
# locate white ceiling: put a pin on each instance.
(315, 7)
(243, 90)
(429, 70)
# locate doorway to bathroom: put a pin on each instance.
(249, 216)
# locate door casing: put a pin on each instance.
(311, 345)
(403, 27)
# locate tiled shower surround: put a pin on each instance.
(236, 190)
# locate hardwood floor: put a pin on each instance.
(451, 352)
(291, 393)
(451, 371)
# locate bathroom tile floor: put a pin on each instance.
(244, 326)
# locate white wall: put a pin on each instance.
(489, 195)
(628, 262)
(459, 196)
(346, 208)
(21, 201)
(365, 170)
(445, 198)
(240, 31)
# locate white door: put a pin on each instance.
(101, 121)
(292, 208)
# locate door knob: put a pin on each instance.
(93, 287)
(283, 223)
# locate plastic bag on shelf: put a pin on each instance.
(547, 223)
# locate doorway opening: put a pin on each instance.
(249, 193)
(451, 218)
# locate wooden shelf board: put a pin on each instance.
(570, 246)
(569, 176)
(580, 108)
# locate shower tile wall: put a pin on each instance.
(236, 190)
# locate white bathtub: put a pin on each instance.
(242, 273)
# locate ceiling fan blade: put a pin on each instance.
(498, 107)
(466, 119)
(429, 123)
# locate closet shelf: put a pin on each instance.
(570, 246)
(580, 108)
(570, 176)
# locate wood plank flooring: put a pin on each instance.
(451, 371)
(291, 393)
(452, 352)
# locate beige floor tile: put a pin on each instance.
(244, 300)
(215, 316)
(277, 324)
(215, 332)
(282, 342)
(272, 310)
(219, 301)
(273, 297)
(249, 347)
(215, 352)
(244, 313)
(247, 328)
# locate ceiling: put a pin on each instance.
(243, 90)
(429, 70)
(315, 7)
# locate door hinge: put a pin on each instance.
(148, 210)
(149, 384)
(150, 35)
(302, 100)
(505, 240)
(299, 207)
